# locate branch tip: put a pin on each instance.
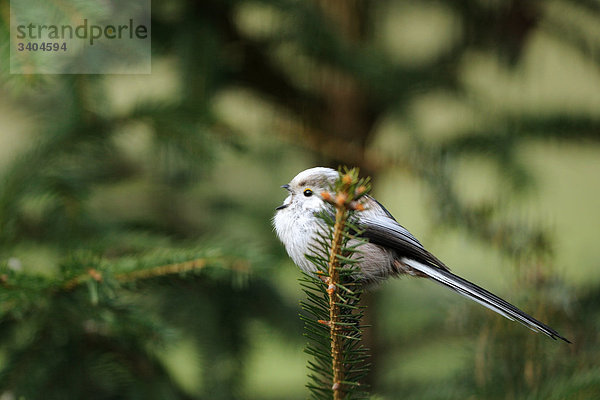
(357, 206)
(341, 199)
(95, 274)
(331, 289)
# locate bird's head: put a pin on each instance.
(306, 188)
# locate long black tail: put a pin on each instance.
(483, 297)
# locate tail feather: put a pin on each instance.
(483, 297)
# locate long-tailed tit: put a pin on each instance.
(391, 250)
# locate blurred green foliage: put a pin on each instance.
(478, 120)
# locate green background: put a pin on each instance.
(479, 123)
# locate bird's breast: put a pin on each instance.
(296, 231)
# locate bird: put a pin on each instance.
(390, 249)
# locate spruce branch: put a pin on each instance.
(106, 276)
(175, 268)
(333, 296)
(148, 273)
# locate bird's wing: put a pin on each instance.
(386, 232)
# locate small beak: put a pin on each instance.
(286, 187)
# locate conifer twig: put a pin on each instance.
(334, 309)
(161, 270)
(344, 201)
(79, 279)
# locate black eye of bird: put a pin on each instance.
(308, 192)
